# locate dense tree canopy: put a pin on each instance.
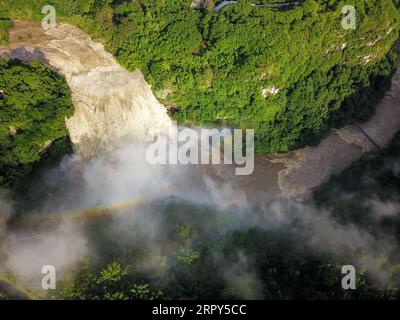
(285, 72)
(33, 107)
(200, 253)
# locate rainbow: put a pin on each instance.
(87, 214)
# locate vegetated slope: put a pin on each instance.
(284, 72)
(5, 26)
(33, 107)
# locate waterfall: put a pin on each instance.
(111, 103)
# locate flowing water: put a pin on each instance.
(110, 103)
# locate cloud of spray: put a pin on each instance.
(106, 181)
(384, 209)
(28, 252)
(100, 182)
(348, 242)
(241, 280)
(6, 208)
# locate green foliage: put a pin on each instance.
(33, 107)
(112, 273)
(188, 256)
(218, 73)
(5, 26)
(213, 67)
(111, 283)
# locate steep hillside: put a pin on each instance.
(291, 73)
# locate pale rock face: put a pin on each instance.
(367, 59)
(13, 131)
(197, 4)
(270, 90)
(110, 102)
(373, 42)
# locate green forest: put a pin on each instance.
(33, 107)
(289, 73)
